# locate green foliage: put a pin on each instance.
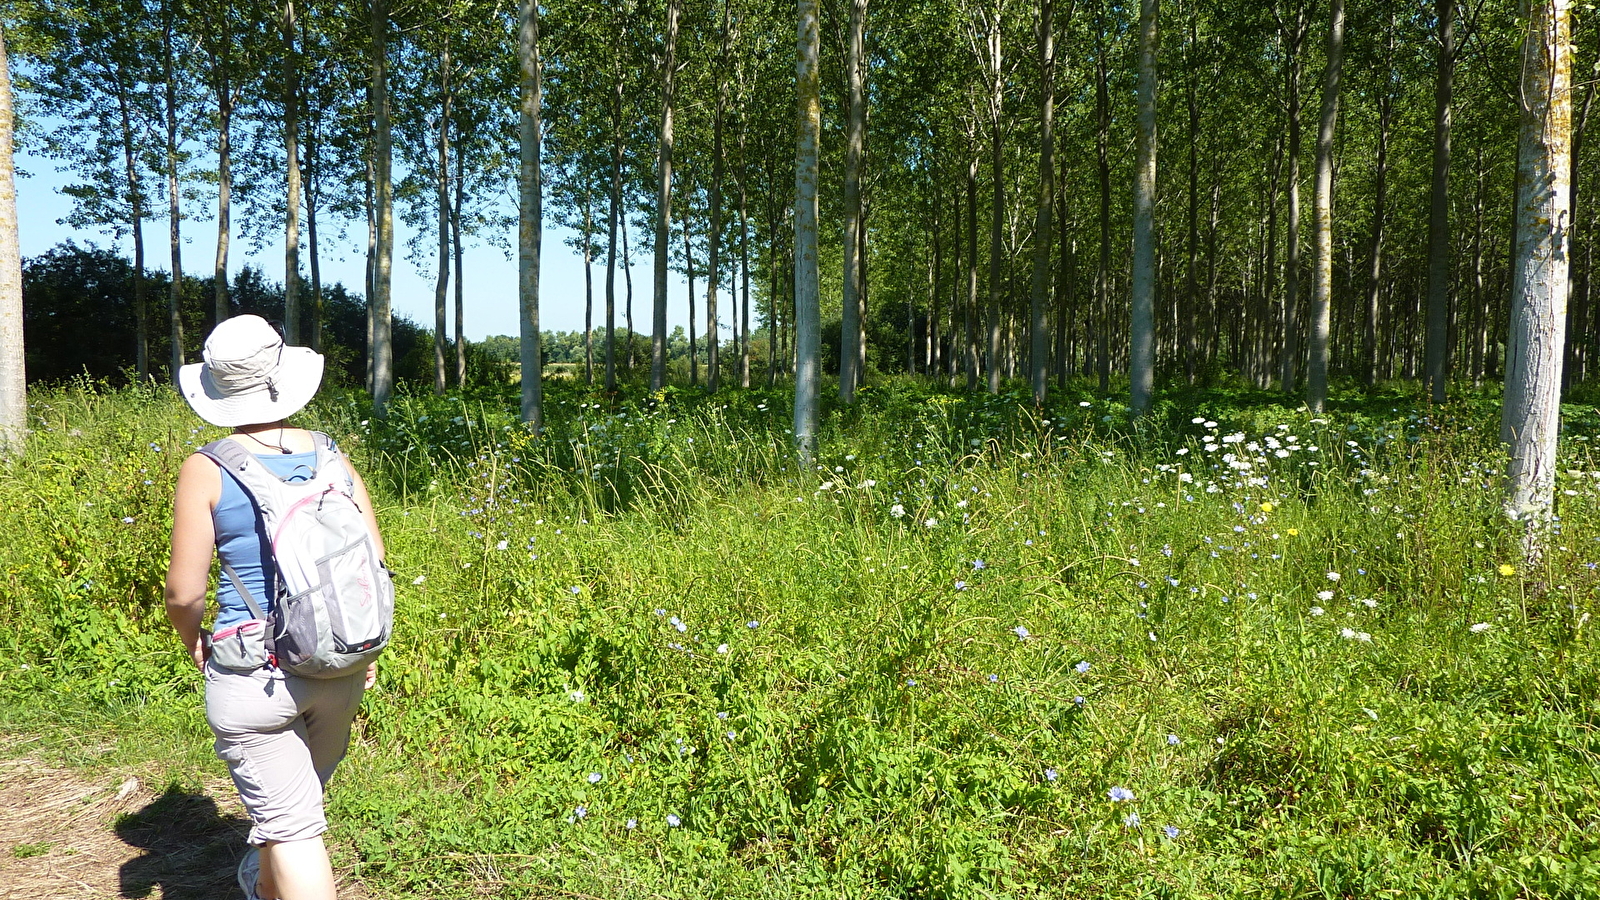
(917, 671)
(68, 286)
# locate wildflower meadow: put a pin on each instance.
(976, 649)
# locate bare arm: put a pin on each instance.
(193, 538)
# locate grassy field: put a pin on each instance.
(982, 650)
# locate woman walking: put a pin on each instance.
(281, 735)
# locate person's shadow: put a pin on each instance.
(191, 850)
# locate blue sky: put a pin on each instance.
(491, 277)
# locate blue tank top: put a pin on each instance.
(242, 542)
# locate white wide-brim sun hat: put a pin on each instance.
(250, 376)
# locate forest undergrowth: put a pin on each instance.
(982, 649)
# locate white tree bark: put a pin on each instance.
(225, 104)
(1532, 410)
(658, 324)
(1289, 361)
(1436, 353)
(808, 137)
(530, 209)
(291, 147)
(855, 144)
(714, 237)
(1038, 332)
(441, 282)
(1322, 216)
(1141, 362)
(381, 346)
(174, 195)
(997, 205)
(13, 380)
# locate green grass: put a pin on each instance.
(882, 729)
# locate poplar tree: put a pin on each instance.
(808, 134)
(1531, 416)
(13, 361)
(380, 347)
(1322, 216)
(1142, 324)
(530, 199)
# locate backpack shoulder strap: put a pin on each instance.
(330, 459)
(236, 461)
(262, 485)
(229, 455)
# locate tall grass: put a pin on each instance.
(643, 654)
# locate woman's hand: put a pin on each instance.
(200, 653)
(372, 676)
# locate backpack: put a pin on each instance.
(333, 604)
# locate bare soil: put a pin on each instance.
(67, 834)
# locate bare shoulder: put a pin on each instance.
(199, 477)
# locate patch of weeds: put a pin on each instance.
(28, 851)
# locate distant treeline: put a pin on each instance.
(79, 318)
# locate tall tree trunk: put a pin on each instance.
(627, 280)
(1188, 337)
(455, 248)
(1380, 204)
(669, 70)
(1532, 410)
(774, 289)
(807, 376)
(313, 192)
(854, 143)
(530, 210)
(997, 211)
(1436, 366)
(381, 347)
(174, 207)
(291, 150)
(371, 272)
(969, 313)
(956, 351)
(588, 292)
(688, 268)
(1141, 350)
(613, 214)
(1480, 343)
(1102, 275)
(1043, 230)
(219, 277)
(1212, 227)
(1289, 364)
(314, 263)
(743, 341)
(714, 251)
(441, 284)
(141, 308)
(930, 352)
(861, 296)
(13, 358)
(1322, 215)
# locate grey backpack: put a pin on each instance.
(333, 604)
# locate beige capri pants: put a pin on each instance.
(281, 736)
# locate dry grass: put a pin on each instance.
(76, 834)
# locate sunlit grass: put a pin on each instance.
(919, 670)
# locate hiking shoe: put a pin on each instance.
(250, 873)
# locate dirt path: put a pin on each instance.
(72, 835)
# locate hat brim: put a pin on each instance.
(297, 377)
